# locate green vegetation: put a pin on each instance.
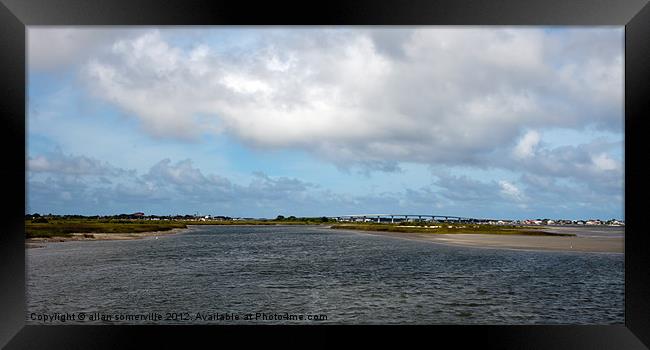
(65, 226)
(442, 228)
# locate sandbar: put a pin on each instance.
(579, 243)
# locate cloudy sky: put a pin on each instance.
(489, 122)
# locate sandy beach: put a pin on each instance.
(580, 243)
(37, 242)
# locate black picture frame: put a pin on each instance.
(15, 15)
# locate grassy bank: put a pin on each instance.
(450, 229)
(65, 227)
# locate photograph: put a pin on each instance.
(325, 175)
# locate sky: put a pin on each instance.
(484, 122)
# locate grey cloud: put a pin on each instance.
(367, 167)
(390, 42)
(185, 181)
(60, 163)
(180, 187)
(183, 188)
(125, 191)
(589, 164)
(62, 194)
(264, 186)
(565, 199)
(466, 190)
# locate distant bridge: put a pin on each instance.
(404, 217)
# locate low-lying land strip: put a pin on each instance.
(60, 230)
(65, 228)
(485, 236)
(445, 228)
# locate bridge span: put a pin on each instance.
(403, 217)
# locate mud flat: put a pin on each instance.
(586, 240)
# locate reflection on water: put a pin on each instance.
(349, 277)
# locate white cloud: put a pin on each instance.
(244, 85)
(511, 191)
(526, 146)
(604, 162)
(436, 95)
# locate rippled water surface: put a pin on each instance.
(349, 277)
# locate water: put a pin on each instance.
(349, 277)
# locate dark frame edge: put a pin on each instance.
(637, 75)
(342, 12)
(12, 134)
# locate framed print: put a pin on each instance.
(467, 172)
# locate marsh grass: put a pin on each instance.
(65, 227)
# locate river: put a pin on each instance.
(234, 274)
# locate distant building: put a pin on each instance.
(533, 222)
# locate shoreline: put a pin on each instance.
(36, 242)
(591, 244)
(512, 242)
